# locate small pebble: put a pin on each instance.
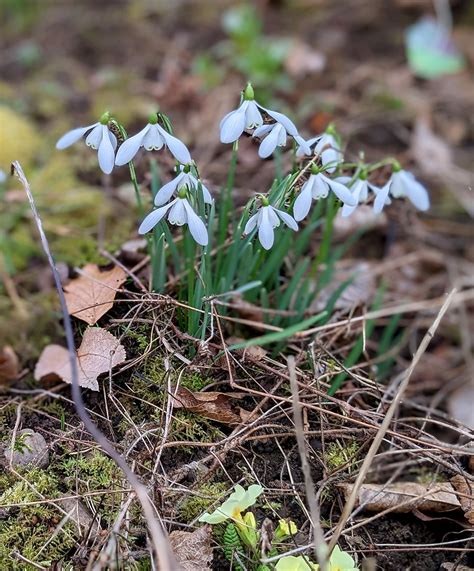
(30, 449)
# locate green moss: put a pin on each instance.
(30, 529)
(95, 472)
(337, 455)
(19, 139)
(189, 426)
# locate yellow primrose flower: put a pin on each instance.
(340, 561)
(232, 508)
(285, 529)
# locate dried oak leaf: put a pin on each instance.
(192, 549)
(466, 496)
(91, 295)
(9, 365)
(405, 497)
(98, 353)
(212, 405)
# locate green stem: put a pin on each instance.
(323, 253)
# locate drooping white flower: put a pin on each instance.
(248, 116)
(152, 137)
(266, 219)
(276, 134)
(179, 212)
(99, 138)
(402, 183)
(326, 146)
(318, 186)
(185, 178)
(360, 192)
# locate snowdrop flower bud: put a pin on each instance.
(185, 178)
(179, 212)
(276, 134)
(152, 137)
(318, 186)
(99, 138)
(402, 183)
(326, 146)
(246, 116)
(266, 219)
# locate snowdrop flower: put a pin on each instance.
(232, 508)
(360, 191)
(326, 146)
(246, 116)
(152, 137)
(276, 134)
(402, 183)
(318, 186)
(179, 212)
(266, 219)
(185, 178)
(3, 176)
(99, 138)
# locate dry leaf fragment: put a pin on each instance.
(193, 551)
(9, 365)
(99, 352)
(404, 497)
(212, 405)
(466, 496)
(91, 295)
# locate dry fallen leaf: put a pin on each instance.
(193, 551)
(255, 353)
(376, 498)
(460, 404)
(99, 352)
(91, 295)
(303, 60)
(212, 405)
(466, 496)
(9, 365)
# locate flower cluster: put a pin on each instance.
(321, 168)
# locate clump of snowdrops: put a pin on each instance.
(262, 250)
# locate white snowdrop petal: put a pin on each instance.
(206, 194)
(272, 216)
(177, 148)
(106, 152)
(251, 224)
(304, 149)
(113, 140)
(268, 145)
(153, 140)
(341, 191)
(196, 225)
(262, 130)
(178, 214)
(72, 136)
(364, 191)
(233, 126)
(289, 126)
(153, 218)
(347, 210)
(266, 235)
(281, 136)
(397, 188)
(287, 219)
(94, 138)
(320, 188)
(129, 148)
(330, 157)
(303, 201)
(356, 190)
(381, 197)
(167, 190)
(253, 117)
(314, 140)
(417, 194)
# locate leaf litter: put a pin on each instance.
(98, 353)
